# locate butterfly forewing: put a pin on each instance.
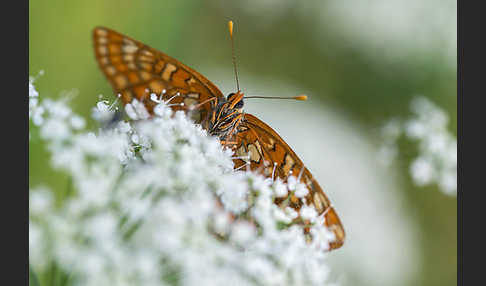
(267, 152)
(136, 70)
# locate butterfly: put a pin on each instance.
(136, 71)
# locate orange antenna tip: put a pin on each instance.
(300, 97)
(230, 27)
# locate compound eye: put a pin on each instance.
(230, 96)
(239, 104)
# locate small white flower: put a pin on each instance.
(416, 129)
(32, 91)
(37, 115)
(437, 143)
(154, 98)
(40, 200)
(280, 215)
(280, 188)
(236, 200)
(221, 222)
(55, 129)
(448, 182)
(301, 190)
(422, 171)
(293, 214)
(130, 110)
(136, 110)
(242, 232)
(102, 226)
(102, 112)
(77, 122)
(57, 109)
(135, 138)
(292, 183)
(307, 212)
(124, 127)
(321, 236)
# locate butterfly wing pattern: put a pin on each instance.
(266, 151)
(136, 70)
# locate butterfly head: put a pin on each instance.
(227, 116)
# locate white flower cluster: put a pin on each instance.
(156, 202)
(437, 147)
(35, 111)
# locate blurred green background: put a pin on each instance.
(366, 60)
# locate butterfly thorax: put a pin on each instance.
(226, 117)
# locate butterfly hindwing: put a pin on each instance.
(136, 70)
(268, 153)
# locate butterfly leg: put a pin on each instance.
(326, 210)
(241, 167)
(227, 143)
(197, 106)
(273, 171)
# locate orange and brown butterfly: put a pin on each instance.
(136, 71)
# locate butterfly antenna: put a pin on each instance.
(230, 27)
(301, 97)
